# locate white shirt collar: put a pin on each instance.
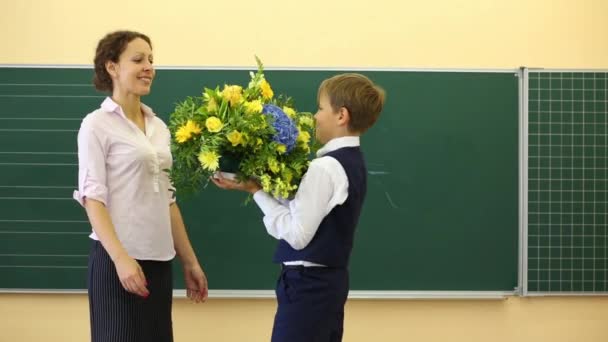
(110, 106)
(337, 143)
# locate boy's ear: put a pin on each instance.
(343, 116)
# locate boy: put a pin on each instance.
(316, 229)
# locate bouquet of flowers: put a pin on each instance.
(245, 131)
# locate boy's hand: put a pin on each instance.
(249, 186)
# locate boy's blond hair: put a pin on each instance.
(358, 94)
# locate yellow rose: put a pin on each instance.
(214, 124)
(235, 137)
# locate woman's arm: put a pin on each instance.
(196, 281)
(129, 272)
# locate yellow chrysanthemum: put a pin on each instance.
(307, 121)
(304, 137)
(281, 148)
(288, 175)
(233, 93)
(214, 124)
(285, 192)
(281, 189)
(209, 160)
(288, 188)
(289, 111)
(273, 165)
(235, 137)
(265, 181)
(193, 127)
(253, 107)
(267, 92)
(264, 122)
(184, 133)
(212, 105)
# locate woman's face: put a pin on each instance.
(134, 72)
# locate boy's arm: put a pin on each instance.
(324, 186)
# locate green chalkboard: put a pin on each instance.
(567, 230)
(442, 206)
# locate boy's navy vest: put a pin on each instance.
(333, 241)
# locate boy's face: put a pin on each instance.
(326, 120)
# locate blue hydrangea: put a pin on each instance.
(286, 130)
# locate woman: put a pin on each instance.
(123, 149)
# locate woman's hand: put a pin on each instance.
(131, 275)
(196, 283)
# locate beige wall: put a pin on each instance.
(387, 33)
(382, 33)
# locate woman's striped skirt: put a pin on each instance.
(121, 316)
